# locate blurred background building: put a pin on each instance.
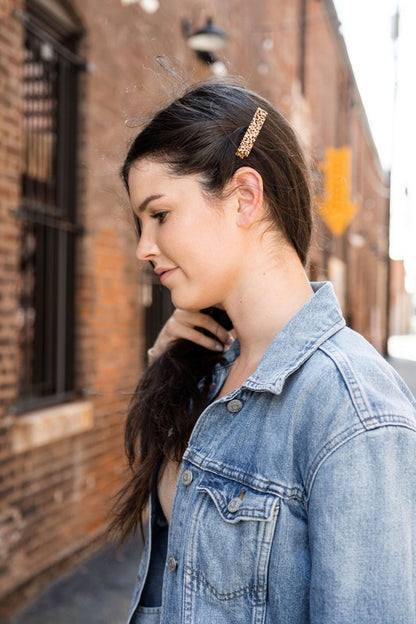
(76, 312)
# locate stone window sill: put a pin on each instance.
(45, 426)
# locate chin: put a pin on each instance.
(194, 304)
(181, 302)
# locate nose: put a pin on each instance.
(146, 248)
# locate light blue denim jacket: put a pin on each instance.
(296, 501)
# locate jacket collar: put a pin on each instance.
(319, 319)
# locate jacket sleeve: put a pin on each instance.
(362, 531)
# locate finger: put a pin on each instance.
(201, 339)
(189, 317)
(199, 319)
(222, 334)
(215, 328)
(182, 324)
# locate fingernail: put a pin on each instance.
(229, 340)
(218, 347)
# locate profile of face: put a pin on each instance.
(192, 240)
(181, 171)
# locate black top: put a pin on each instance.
(152, 591)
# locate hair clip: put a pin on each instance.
(252, 133)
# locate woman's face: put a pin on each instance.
(192, 240)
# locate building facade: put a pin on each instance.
(76, 311)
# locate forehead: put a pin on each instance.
(149, 177)
(144, 173)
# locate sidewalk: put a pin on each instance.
(407, 370)
(402, 357)
(99, 591)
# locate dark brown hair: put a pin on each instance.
(199, 133)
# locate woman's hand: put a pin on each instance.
(183, 324)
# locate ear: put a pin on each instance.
(249, 193)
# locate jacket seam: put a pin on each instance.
(356, 393)
(314, 343)
(199, 576)
(256, 482)
(340, 440)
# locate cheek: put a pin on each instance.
(180, 240)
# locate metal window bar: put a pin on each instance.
(48, 230)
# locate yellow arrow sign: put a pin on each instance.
(336, 208)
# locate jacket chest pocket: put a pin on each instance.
(230, 539)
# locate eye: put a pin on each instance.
(160, 216)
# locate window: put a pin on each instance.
(158, 307)
(47, 213)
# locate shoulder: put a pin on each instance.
(371, 386)
(344, 390)
(346, 371)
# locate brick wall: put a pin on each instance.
(400, 300)
(60, 466)
(10, 122)
(367, 254)
(338, 119)
(59, 469)
(10, 167)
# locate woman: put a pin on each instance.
(279, 473)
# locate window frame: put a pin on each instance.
(50, 377)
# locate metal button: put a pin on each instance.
(172, 563)
(187, 477)
(234, 405)
(234, 504)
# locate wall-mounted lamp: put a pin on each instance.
(204, 41)
(149, 6)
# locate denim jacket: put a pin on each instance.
(296, 500)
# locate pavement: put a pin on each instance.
(407, 370)
(99, 591)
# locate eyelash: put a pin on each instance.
(160, 216)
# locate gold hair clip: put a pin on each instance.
(252, 133)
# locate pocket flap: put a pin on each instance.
(236, 502)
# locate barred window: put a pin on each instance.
(158, 307)
(47, 213)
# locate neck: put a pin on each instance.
(263, 302)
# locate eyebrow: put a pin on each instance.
(142, 207)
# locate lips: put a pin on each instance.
(164, 274)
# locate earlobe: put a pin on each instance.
(249, 185)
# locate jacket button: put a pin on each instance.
(234, 504)
(172, 563)
(187, 477)
(234, 405)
